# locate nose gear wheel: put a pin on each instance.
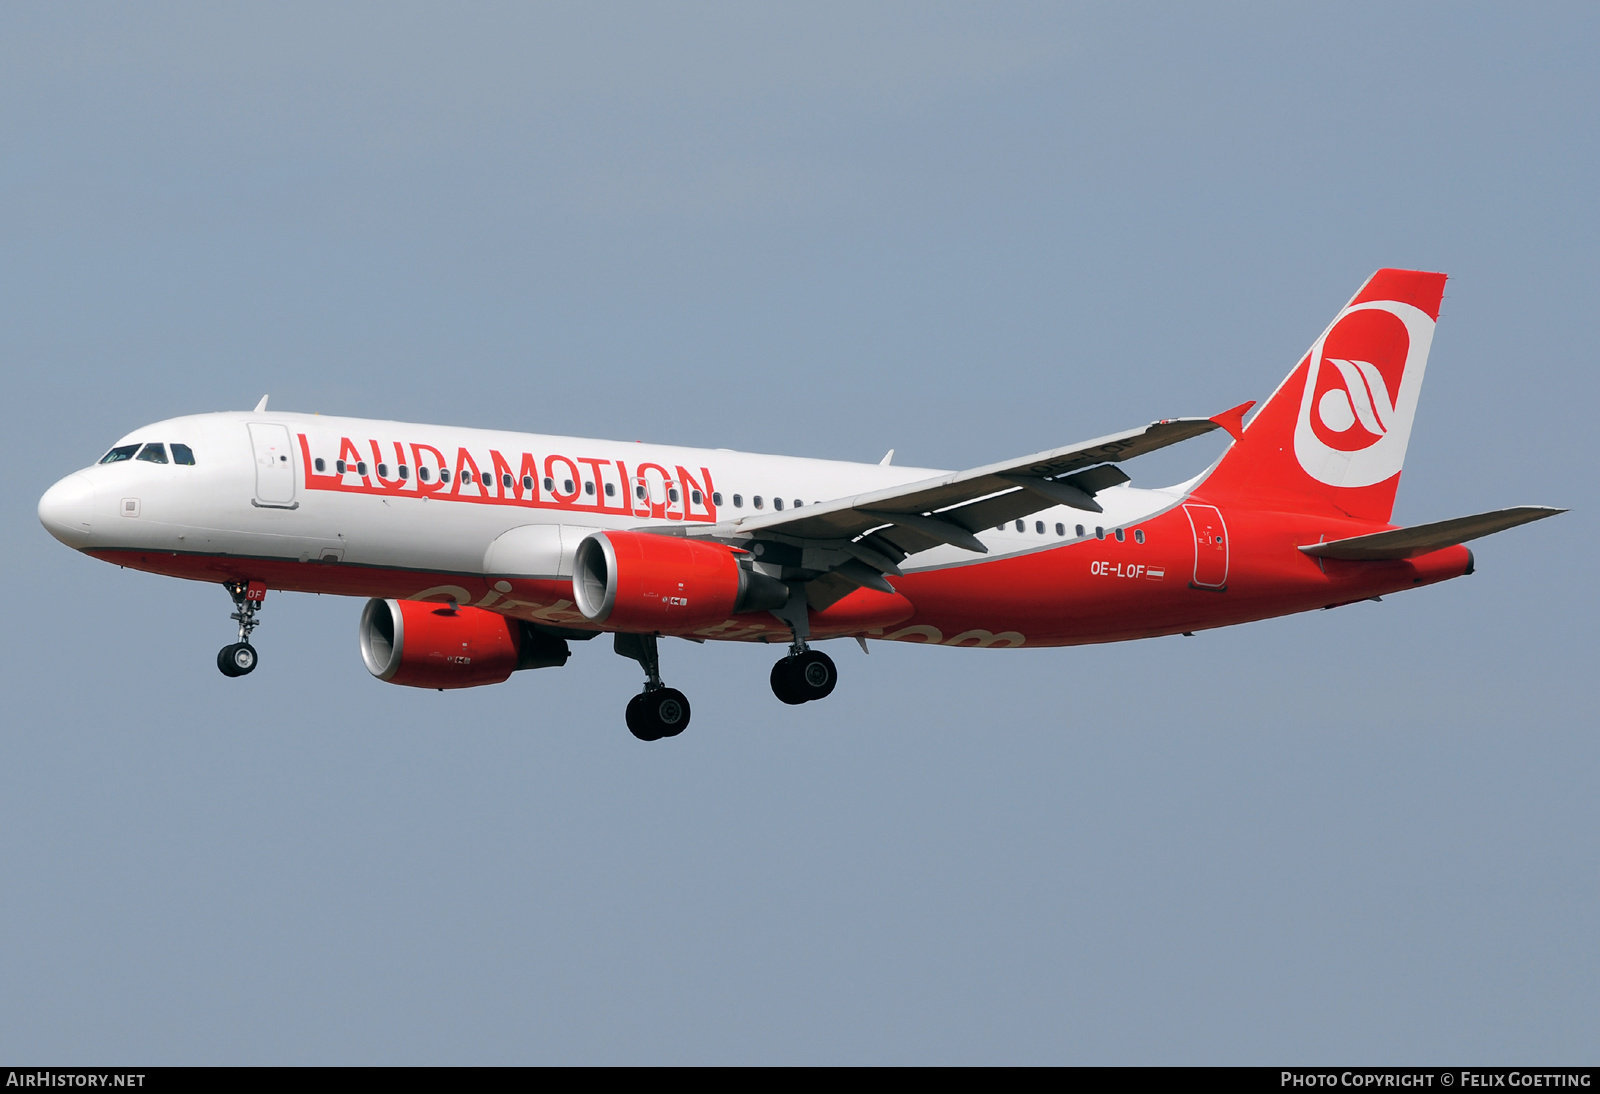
(237, 659)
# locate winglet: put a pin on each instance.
(1233, 420)
(262, 405)
(888, 456)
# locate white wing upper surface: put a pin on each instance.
(949, 508)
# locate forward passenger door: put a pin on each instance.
(274, 461)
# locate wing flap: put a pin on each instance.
(934, 528)
(1000, 509)
(1420, 539)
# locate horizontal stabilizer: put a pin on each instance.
(1411, 542)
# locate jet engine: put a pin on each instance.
(638, 581)
(426, 645)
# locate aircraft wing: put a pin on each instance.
(948, 509)
(1422, 538)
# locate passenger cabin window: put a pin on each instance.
(505, 480)
(466, 478)
(1061, 529)
(611, 490)
(549, 486)
(1079, 532)
(1120, 536)
(120, 453)
(182, 453)
(361, 468)
(777, 503)
(588, 488)
(405, 472)
(738, 501)
(338, 465)
(716, 497)
(444, 474)
(1038, 526)
(1021, 527)
(422, 473)
(527, 483)
(756, 501)
(695, 497)
(319, 464)
(383, 471)
(1099, 532)
(566, 487)
(154, 453)
(1138, 535)
(638, 491)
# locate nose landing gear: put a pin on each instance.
(239, 658)
(658, 711)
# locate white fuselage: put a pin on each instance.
(256, 490)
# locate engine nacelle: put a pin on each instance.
(426, 645)
(637, 581)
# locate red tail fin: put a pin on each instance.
(1333, 436)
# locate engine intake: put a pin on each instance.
(425, 645)
(637, 581)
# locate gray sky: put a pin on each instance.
(962, 232)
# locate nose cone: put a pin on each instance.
(67, 508)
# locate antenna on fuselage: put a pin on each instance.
(262, 405)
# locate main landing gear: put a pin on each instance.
(658, 711)
(239, 658)
(806, 674)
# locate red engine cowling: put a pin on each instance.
(426, 645)
(636, 581)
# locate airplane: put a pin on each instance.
(483, 553)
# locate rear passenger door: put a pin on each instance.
(274, 466)
(1210, 546)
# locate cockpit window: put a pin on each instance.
(120, 453)
(182, 453)
(154, 453)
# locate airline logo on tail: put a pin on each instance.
(1362, 383)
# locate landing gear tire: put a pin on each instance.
(636, 720)
(669, 708)
(804, 677)
(238, 659)
(782, 686)
(652, 715)
(815, 675)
